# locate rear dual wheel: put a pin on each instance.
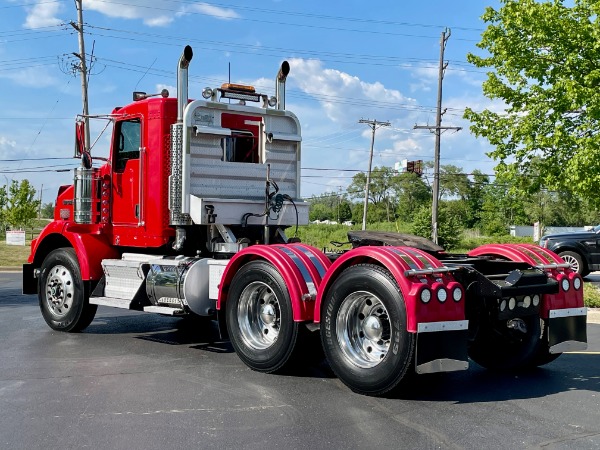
(260, 319)
(363, 330)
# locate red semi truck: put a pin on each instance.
(188, 217)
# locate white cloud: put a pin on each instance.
(43, 14)
(157, 13)
(7, 144)
(152, 12)
(31, 77)
(345, 98)
(210, 10)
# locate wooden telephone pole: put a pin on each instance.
(374, 124)
(83, 71)
(437, 129)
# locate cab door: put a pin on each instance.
(127, 143)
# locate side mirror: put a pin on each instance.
(86, 160)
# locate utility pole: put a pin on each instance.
(40, 205)
(83, 70)
(374, 125)
(437, 129)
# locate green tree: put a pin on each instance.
(545, 67)
(3, 202)
(381, 201)
(475, 199)
(345, 211)
(47, 211)
(449, 229)
(320, 211)
(21, 204)
(411, 193)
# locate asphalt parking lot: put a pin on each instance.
(140, 381)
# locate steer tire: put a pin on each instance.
(363, 330)
(62, 296)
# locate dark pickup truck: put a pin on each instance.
(580, 249)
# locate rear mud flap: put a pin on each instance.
(442, 347)
(567, 330)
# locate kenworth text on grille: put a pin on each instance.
(188, 216)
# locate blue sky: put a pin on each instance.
(349, 60)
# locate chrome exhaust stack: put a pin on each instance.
(280, 84)
(182, 81)
(180, 164)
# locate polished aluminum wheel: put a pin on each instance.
(259, 315)
(60, 290)
(363, 329)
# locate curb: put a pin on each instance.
(11, 269)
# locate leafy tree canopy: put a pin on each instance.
(545, 66)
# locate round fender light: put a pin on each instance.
(512, 303)
(527, 301)
(442, 295)
(565, 284)
(577, 283)
(456, 294)
(425, 295)
(536, 300)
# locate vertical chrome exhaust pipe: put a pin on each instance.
(179, 180)
(280, 84)
(182, 81)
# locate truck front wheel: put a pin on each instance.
(260, 318)
(62, 296)
(363, 330)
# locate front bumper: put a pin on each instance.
(442, 346)
(567, 330)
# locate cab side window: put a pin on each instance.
(127, 142)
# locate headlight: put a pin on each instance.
(442, 295)
(425, 295)
(512, 303)
(503, 305)
(536, 300)
(565, 284)
(207, 93)
(577, 283)
(527, 301)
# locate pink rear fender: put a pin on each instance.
(547, 260)
(302, 268)
(399, 261)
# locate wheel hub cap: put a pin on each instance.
(60, 290)
(259, 315)
(372, 328)
(267, 314)
(363, 329)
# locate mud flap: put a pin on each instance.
(567, 330)
(442, 347)
(30, 283)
